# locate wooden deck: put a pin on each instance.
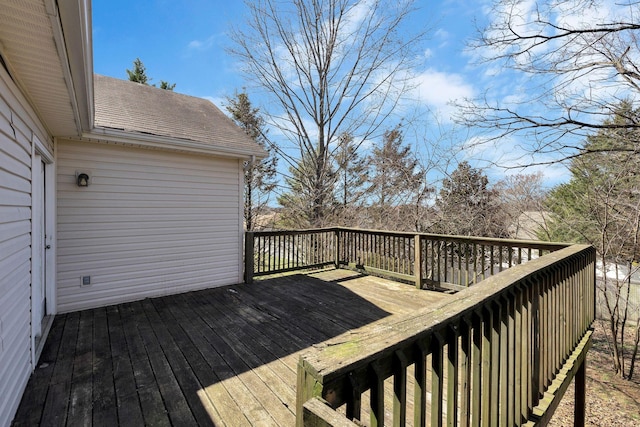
(221, 357)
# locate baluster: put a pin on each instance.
(476, 370)
(512, 359)
(483, 262)
(503, 356)
(420, 388)
(492, 261)
(465, 371)
(377, 396)
(446, 266)
(518, 330)
(459, 281)
(474, 280)
(437, 380)
(400, 364)
(536, 375)
(452, 376)
(495, 363)
(267, 253)
(438, 247)
(259, 255)
(487, 368)
(279, 252)
(467, 262)
(354, 402)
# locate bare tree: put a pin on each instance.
(601, 206)
(351, 177)
(579, 59)
(522, 197)
(330, 68)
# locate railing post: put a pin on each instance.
(580, 389)
(417, 267)
(248, 257)
(336, 246)
(307, 388)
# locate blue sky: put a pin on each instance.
(184, 43)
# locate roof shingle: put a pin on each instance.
(140, 109)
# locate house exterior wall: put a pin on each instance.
(150, 223)
(18, 130)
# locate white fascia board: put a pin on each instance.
(106, 135)
(73, 19)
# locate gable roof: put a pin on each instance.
(141, 110)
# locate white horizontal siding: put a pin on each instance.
(15, 252)
(150, 223)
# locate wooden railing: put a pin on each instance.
(272, 252)
(500, 353)
(436, 261)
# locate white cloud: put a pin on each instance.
(356, 15)
(201, 45)
(438, 89)
(510, 157)
(443, 36)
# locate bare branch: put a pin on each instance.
(330, 68)
(580, 60)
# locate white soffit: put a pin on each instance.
(28, 45)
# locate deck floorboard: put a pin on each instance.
(219, 357)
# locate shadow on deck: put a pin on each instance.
(224, 356)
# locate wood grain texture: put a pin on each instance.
(219, 357)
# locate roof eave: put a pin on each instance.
(73, 18)
(119, 136)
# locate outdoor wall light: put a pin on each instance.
(82, 180)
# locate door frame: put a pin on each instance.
(42, 259)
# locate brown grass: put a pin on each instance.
(611, 401)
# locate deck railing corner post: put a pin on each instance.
(307, 388)
(417, 267)
(248, 257)
(336, 246)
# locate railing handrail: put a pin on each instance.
(288, 231)
(532, 244)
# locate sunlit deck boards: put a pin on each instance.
(224, 356)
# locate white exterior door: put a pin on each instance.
(39, 282)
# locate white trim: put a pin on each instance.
(38, 278)
(58, 37)
(51, 227)
(41, 149)
(241, 222)
(77, 55)
(106, 135)
(43, 202)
